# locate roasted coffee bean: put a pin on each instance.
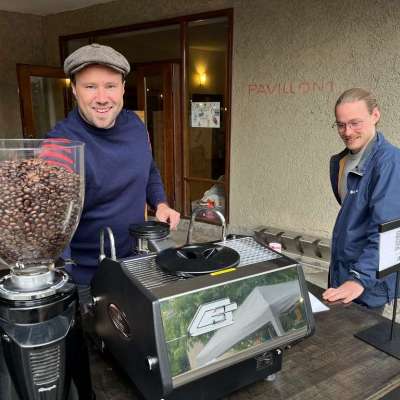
(35, 199)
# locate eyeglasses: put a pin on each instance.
(341, 126)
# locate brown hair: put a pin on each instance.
(358, 94)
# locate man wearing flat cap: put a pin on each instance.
(119, 168)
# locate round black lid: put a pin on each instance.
(149, 230)
(197, 259)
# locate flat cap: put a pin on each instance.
(96, 54)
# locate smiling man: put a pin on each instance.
(120, 173)
(365, 179)
(99, 91)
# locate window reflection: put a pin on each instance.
(47, 102)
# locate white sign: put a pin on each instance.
(205, 114)
(389, 249)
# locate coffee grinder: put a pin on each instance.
(42, 352)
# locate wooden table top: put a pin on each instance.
(331, 364)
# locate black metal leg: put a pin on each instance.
(394, 306)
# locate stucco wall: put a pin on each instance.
(291, 60)
(308, 53)
(21, 42)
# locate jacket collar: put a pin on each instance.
(369, 153)
(372, 148)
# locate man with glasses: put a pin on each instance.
(365, 179)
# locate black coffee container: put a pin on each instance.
(43, 355)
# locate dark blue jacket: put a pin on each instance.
(373, 197)
(120, 176)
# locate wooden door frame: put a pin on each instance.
(182, 21)
(187, 179)
(171, 153)
(24, 72)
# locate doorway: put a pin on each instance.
(192, 151)
(158, 96)
(153, 92)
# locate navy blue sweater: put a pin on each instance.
(120, 176)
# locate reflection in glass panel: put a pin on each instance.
(47, 102)
(131, 92)
(207, 72)
(147, 45)
(155, 118)
(143, 46)
(259, 317)
(75, 44)
(207, 194)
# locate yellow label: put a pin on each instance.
(222, 271)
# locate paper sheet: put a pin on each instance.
(389, 249)
(316, 305)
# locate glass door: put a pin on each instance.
(45, 97)
(206, 135)
(157, 95)
(191, 135)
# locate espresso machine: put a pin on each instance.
(42, 352)
(201, 320)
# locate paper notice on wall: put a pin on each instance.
(389, 249)
(205, 114)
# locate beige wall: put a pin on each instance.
(291, 60)
(281, 142)
(21, 38)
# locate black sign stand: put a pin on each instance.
(383, 335)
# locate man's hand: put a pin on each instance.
(167, 214)
(345, 293)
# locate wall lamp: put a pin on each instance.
(202, 79)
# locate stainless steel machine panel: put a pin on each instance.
(192, 333)
(212, 328)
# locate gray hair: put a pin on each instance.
(358, 94)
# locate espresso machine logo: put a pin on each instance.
(212, 316)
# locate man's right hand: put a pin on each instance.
(346, 293)
(164, 213)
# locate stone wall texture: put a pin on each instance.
(21, 42)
